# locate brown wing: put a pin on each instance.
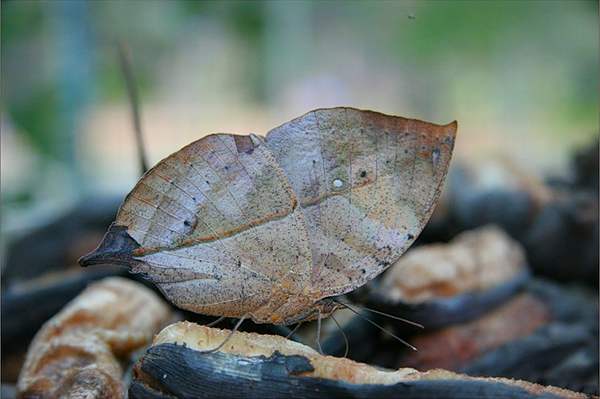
(366, 183)
(218, 226)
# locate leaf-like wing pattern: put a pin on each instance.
(239, 225)
(218, 226)
(367, 184)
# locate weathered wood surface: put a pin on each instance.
(27, 306)
(442, 284)
(547, 334)
(76, 353)
(253, 366)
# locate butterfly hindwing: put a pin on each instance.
(218, 226)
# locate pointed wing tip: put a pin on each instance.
(115, 248)
(452, 127)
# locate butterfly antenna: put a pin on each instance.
(391, 316)
(222, 344)
(347, 344)
(215, 322)
(319, 334)
(132, 94)
(292, 332)
(376, 325)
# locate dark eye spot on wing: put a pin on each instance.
(190, 224)
(409, 236)
(363, 173)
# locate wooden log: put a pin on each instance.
(442, 284)
(26, 307)
(564, 352)
(556, 221)
(562, 242)
(58, 244)
(76, 353)
(260, 366)
(547, 334)
(455, 346)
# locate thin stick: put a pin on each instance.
(413, 323)
(222, 344)
(343, 334)
(319, 333)
(130, 84)
(215, 322)
(378, 326)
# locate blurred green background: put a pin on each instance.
(521, 77)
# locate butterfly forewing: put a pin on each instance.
(244, 226)
(366, 183)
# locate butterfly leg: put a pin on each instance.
(222, 344)
(292, 332)
(215, 322)
(343, 334)
(319, 333)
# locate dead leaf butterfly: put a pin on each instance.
(273, 227)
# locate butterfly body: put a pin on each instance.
(272, 227)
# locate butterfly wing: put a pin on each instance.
(230, 225)
(367, 184)
(216, 226)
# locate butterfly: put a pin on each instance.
(274, 228)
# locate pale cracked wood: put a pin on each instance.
(269, 227)
(267, 366)
(78, 352)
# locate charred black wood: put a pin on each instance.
(363, 338)
(562, 242)
(50, 246)
(568, 304)
(586, 166)
(547, 335)
(558, 354)
(25, 308)
(440, 312)
(471, 207)
(558, 229)
(170, 370)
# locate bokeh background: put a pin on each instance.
(521, 77)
